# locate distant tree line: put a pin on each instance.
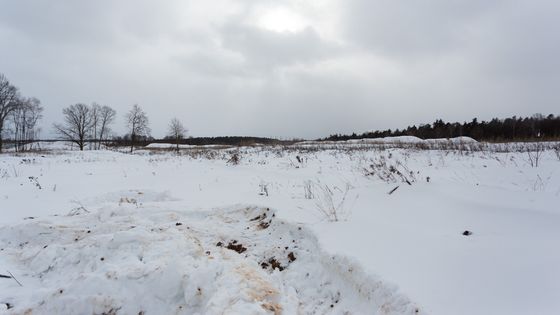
(515, 128)
(19, 116)
(90, 125)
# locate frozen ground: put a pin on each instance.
(100, 232)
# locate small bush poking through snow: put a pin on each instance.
(389, 173)
(234, 159)
(330, 208)
(308, 189)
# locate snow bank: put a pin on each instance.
(400, 139)
(181, 146)
(167, 146)
(128, 260)
(463, 140)
(391, 140)
(452, 140)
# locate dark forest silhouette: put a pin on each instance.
(515, 128)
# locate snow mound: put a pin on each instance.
(123, 259)
(393, 140)
(167, 146)
(411, 140)
(463, 140)
(399, 139)
(452, 140)
(182, 146)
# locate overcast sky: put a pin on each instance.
(286, 68)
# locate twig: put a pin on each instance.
(393, 190)
(21, 285)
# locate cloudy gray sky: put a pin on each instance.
(286, 68)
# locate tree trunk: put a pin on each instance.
(131, 142)
(22, 137)
(1, 139)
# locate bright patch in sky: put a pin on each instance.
(281, 20)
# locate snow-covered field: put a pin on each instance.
(286, 230)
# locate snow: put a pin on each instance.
(50, 145)
(452, 140)
(165, 146)
(400, 139)
(403, 140)
(134, 260)
(462, 139)
(388, 254)
(181, 146)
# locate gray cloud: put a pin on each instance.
(340, 66)
(424, 28)
(268, 49)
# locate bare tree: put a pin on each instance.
(176, 131)
(17, 116)
(9, 101)
(535, 153)
(34, 114)
(137, 124)
(94, 110)
(101, 119)
(24, 119)
(106, 118)
(77, 124)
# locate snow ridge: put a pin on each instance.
(125, 259)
